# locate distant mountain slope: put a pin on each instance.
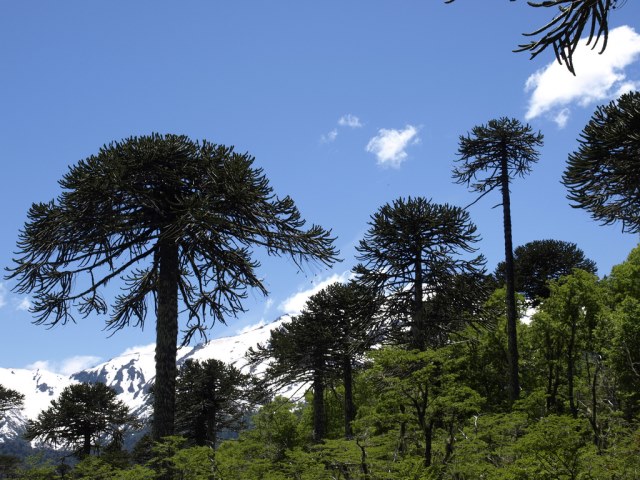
(130, 374)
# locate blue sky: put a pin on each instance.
(345, 105)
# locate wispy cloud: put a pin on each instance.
(329, 137)
(295, 303)
(67, 366)
(347, 120)
(389, 145)
(24, 304)
(3, 295)
(598, 77)
(350, 121)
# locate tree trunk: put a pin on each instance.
(570, 369)
(512, 316)
(319, 426)
(86, 446)
(417, 327)
(428, 440)
(349, 407)
(164, 393)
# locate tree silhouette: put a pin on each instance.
(537, 263)
(491, 155)
(210, 397)
(412, 251)
(175, 220)
(603, 175)
(82, 418)
(9, 399)
(563, 32)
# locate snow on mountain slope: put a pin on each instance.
(130, 374)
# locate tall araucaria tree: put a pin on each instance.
(175, 221)
(603, 175)
(413, 250)
(490, 156)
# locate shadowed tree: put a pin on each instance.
(490, 157)
(412, 251)
(210, 397)
(563, 32)
(603, 175)
(84, 416)
(9, 399)
(350, 312)
(537, 263)
(175, 221)
(299, 352)
(321, 345)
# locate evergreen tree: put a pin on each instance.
(563, 32)
(9, 399)
(85, 417)
(176, 221)
(210, 397)
(603, 174)
(491, 155)
(349, 312)
(300, 354)
(412, 251)
(537, 263)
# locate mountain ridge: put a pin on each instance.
(130, 374)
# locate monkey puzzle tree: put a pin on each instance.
(490, 157)
(563, 32)
(83, 416)
(603, 175)
(350, 312)
(537, 263)
(9, 399)
(210, 397)
(176, 221)
(412, 251)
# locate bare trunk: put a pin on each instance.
(349, 407)
(319, 422)
(512, 315)
(570, 368)
(164, 394)
(417, 327)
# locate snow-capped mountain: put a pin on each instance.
(130, 374)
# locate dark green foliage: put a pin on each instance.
(537, 263)
(413, 250)
(301, 352)
(211, 397)
(9, 399)
(490, 156)
(602, 176)
(175, 221)
(321, 345)
(564, 31)
(84, 418)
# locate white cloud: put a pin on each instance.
(389, 145)
(3, 295)
(329, 137)
(349, 120)
(140, 349)
(562, 117)
(24, 304)
(251, 327)
(67, 366)
(295, 303)
(598, 77)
